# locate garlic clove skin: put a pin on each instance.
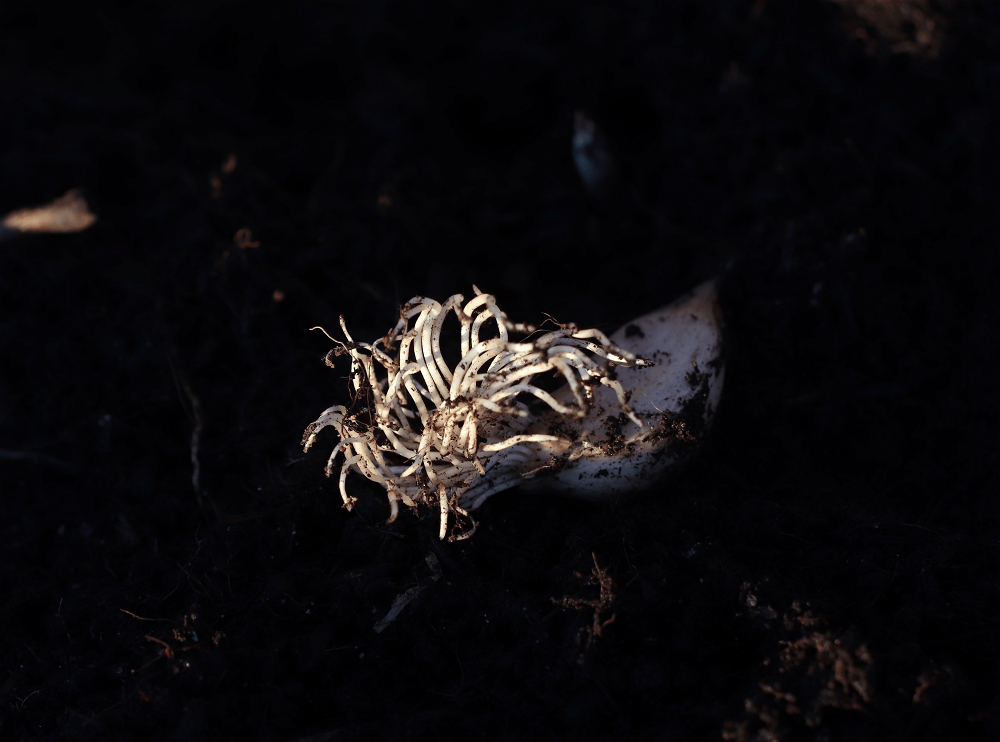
(676, 399)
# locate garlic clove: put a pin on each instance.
(676, 399)
(462, 435)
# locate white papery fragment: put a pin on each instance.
(66, 214)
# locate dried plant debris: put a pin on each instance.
(932, 681)
(898, 26)
(190, 635)
(599, 607)
(66, 214)
(405, 598)
(815, 669)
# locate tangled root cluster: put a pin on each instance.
(429, 433)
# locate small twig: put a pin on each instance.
(405, 598)
(181, 380)
(38, 458)
(184, 569)
(167, 651)
(61, 620)
(143, 619)
(606, 598)
(195, 440)
(22, 701)
(243, 239)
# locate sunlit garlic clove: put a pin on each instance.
(452, 437)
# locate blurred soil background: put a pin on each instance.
(825, 570)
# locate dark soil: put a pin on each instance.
(827, 568)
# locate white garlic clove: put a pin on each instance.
(466, 433)
(676, 399)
